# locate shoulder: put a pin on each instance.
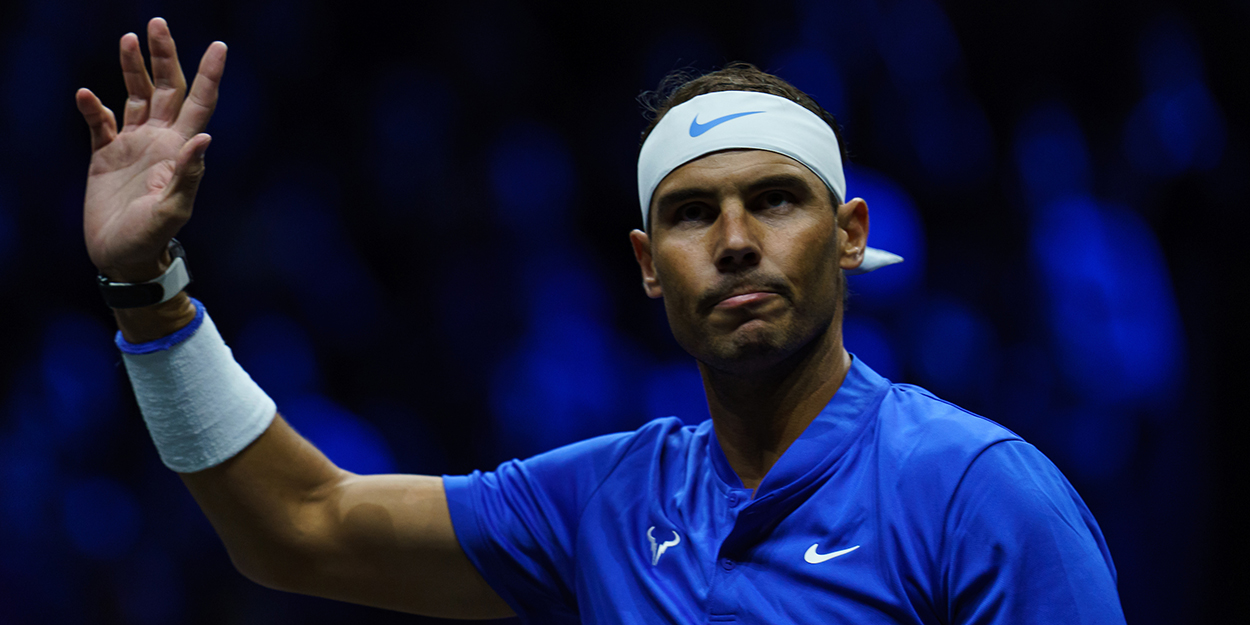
(603, 452)
(973, 471)
(583, 465)
(925, 432)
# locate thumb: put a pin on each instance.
(189, 167)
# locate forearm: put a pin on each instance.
(253, 490)
(289, 518)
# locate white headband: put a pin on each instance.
(725, 120)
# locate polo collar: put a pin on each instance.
(815, 455)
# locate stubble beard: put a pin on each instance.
(758, 345)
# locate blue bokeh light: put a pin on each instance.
(894, 225)
(561, 282)
(1109, 299)
(1168, 54)
(918, 45)
(569, 376)
(955, 348)
(347, 440)
(1172, 131)
(566, 381)
(78, 365)
(814, 72)
(675, 389)
(1050, 154)
(532, 176)
(1178, 125)
(278, 354)
(870, 341)
(101, 517)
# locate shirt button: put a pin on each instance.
(733, 499)
(727, 564)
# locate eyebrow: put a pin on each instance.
(680, 196)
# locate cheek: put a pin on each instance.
(814, 251)
(675, 272)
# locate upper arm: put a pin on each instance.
(388, 541)
(1023, 547)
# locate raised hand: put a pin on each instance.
(142, 180)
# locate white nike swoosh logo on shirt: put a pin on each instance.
(816, 558)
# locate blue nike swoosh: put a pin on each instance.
(697, 129)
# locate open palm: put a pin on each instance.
(142, 180)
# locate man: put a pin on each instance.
(818, 492)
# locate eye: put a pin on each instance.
(691, 212)
(776, 199)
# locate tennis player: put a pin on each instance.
(818, 492)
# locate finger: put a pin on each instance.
(171, 85)
(99, 118)
(138, 85)
(200, 103)
(188, 170)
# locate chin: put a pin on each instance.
(752, 347)
(757, 345)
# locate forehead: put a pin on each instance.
(733, 169)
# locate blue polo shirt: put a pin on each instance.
(893, 506)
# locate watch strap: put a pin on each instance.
(152, 292)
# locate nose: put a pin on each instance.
(738, 243)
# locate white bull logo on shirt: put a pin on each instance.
(658, 549)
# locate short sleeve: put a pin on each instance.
(518, 523)
(1023, 547)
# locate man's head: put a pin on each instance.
(746, 246)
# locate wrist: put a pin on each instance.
(141, 272)
(123, 295)
(142, 325)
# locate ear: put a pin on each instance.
(642, 252)
(853, 221)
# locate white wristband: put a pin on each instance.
(201, 407)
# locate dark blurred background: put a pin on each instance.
(413, 234)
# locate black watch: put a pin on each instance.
(140, 294)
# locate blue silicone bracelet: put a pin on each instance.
(165, 342)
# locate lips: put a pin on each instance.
(745, 299)
(734, 295)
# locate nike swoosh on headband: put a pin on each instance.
(697, 129)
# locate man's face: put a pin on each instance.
(747, 251)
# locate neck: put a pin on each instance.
(758, 415)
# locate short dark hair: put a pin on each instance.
(682, 85)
